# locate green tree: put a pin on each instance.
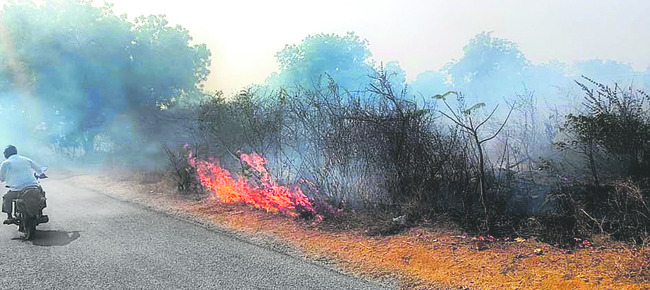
(163, 63)
(88, 68)
(346, 59)
(617, 123)
(490, 67)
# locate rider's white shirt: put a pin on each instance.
(18, 172)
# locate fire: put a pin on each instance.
(263, 193)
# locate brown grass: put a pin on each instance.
(421, 257)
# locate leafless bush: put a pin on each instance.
(372, 149)
(184, 174)
(609, 139)
(377, 150)
(619, 208)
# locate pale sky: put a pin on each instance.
(244, 35)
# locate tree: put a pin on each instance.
(490, 67)
(428, 84)
(346, 59)
(616, 122)
(164, 64)
(471, 127)
(88, 68)
(395, 75)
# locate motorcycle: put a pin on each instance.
(29, 208)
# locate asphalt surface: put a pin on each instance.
(94, 241)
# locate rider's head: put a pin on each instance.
(10, 150)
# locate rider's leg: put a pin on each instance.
(7, 200)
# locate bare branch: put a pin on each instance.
(500, 128)
(452, 111)
(488, 117)
(456, 122)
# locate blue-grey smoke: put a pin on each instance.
(81, 82)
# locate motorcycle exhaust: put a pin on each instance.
(43, 219)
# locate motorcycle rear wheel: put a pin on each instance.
(29, 224)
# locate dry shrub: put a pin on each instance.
(183, 174)
(375, 150)
(619, 208)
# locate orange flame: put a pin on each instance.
(266, 194)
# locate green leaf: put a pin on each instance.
(443, 96)
(475, 107)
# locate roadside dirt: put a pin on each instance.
(417, 258)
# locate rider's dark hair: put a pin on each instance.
(10, 150)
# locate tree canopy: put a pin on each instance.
(346, 59)
(87, 67)
(490, 66)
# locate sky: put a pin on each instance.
(421, 35)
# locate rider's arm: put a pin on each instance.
(3, 172)
(34, 166)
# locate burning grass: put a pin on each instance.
(260, 191)
(420, 257)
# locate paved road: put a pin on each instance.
(95, 241)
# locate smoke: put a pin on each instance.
(493, 70)
(80, 83)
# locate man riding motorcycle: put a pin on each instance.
(18, 172)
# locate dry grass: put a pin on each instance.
(422, 257)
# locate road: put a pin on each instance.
(94, 241)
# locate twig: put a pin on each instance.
(594, 220)
(369, 248)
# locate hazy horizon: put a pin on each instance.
(244, 36)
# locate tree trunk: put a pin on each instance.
(481, 166)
